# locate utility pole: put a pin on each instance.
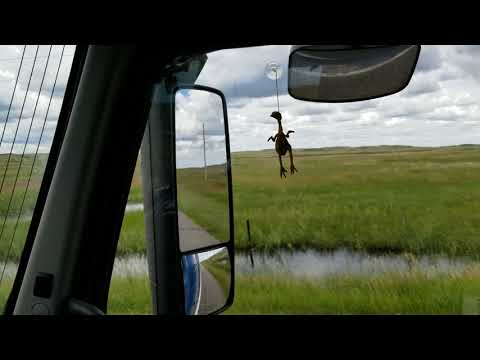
(204, 153)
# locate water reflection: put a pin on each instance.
(345, 262)
(318, 264)
(133, 207)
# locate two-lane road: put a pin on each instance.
(192, 236)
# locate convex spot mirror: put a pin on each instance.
(207, 279)
(344, 73)
(204, 198)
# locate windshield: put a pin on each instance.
(372, 207)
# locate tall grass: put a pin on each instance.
(388, 294)
(409, 293)
(127, 296)
(420, 201)
(17, 200)
(130, 296)
(132, 234)
(4, 292)
(412, 293)
(15, 187)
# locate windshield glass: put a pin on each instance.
(372, 207)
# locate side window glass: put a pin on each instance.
(33, 79)
(130, 291)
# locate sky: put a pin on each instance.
(199, 114)
(439, 107)
(26, 104)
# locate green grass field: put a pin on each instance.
(211, 196)
(13, 193)
(411, 293)
(384, 199)
(387, 199)
(379, 199)
(392, 201)
(387, 294)
(14, 181)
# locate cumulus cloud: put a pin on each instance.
(245, 69)
(421, 87)
(25, 94)
(199, 122)
(430, 59)
(439, 106)
(395, 121)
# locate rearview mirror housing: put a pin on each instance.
(346, 73)
(204, 200)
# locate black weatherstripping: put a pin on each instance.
(68, 99)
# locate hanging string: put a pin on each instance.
(276, 85)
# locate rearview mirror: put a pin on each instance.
(344, 73)
(204, 199)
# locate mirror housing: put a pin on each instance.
(345, 73)
(204, 200)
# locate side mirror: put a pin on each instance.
(204, 199)
(342, 73)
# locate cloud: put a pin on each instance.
(464, 60)
(368, 119)
(430, 59)
(420, 88)
(198, 121)
(395, 121)
(29, 103)
(245, 75)
(439, 106)
(422, 83)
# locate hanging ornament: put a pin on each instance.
(273, 71)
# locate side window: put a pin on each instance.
(130, 291)
(33, 79)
